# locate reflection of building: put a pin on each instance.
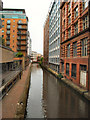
(14, 29)
(29, 45)
(54, 35)
(46, 41)
(75, 42)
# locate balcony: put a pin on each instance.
(8, 33)
(20, 23)
(21, 28)
(8, 23)
(8, 38)
(21, 49)
(21, 39)
(21, 44)
(8, 43)
(8, 28)
(19, 33)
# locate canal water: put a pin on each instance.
(50, 98)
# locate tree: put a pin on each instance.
(19, 54)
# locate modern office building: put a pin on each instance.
(46, 41)
(75, 42)
(54, 35)
(14, 29)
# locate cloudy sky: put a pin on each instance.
(36, 10)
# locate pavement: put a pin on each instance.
(10, 101)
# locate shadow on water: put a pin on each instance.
(50, 98)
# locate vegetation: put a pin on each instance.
(19, 54)
(60, 75)
(2, 41)
(41, 61)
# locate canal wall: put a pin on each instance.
(84, 93)
(22, 103)
(9, 84)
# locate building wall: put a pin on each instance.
(69, 36)
(7, 55)
(17, 37)
(54, 35)
(46, 42)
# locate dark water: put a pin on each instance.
(50, 98)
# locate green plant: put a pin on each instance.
(60, 75)
(19, 54)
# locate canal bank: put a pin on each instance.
(84, 93)
(14, 103)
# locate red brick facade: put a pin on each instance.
(46, 41)
(75, 31)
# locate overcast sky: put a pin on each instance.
(36, 10)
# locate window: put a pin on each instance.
(13, 30)
(69, 6)
(84, 4)
(73, 70)
(13, 20)
(64, 24)
(13, 46)
(69, 32)
(8, 21)
(2, 31)
(75, 49)
(13, 25)
(68, 50)
(84, 47)
(76, 12)
(13, 35)
(62, 67)
(64, 35)
(69, 19)
(67, 69)
(3, 26)
(64, 12)
(85, 22)
(76, 28)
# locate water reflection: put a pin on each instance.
(60, 101)
(50, 98)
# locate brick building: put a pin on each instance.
(14, 29)
(75, 42)
(46, 41)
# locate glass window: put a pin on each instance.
(69, 19)
(2, 31)
(69, 32)
(73, 70)
(75, 49)
(85, 22)
(68, 50)
(13, 20)
(76, 28)
(67, 69)
(69, 6)
(3, 26)
(8, 21)
(85, 4)
(13, 35)
(76, 12)
(84, 47)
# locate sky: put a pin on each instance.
(37, 11)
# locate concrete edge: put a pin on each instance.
(84, 93)
(22, 103)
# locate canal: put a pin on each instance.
(50, 98)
